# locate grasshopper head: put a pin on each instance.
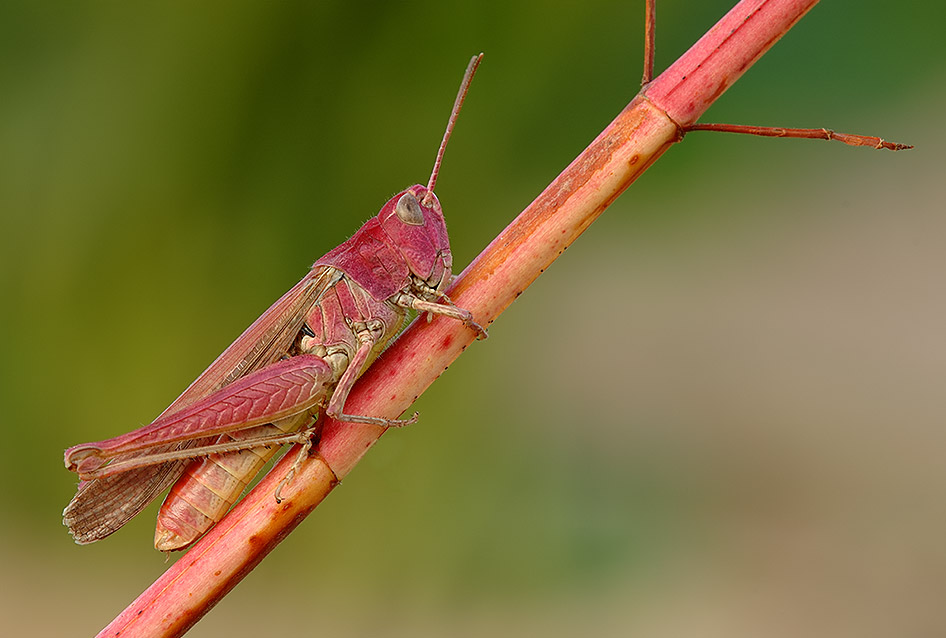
(415, 220)
(418, 231)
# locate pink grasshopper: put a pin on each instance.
(299, 360)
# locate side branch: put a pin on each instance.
(805, 133)
(650, 40)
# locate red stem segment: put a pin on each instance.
(624, 150)
(722, 55)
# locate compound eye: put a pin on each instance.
(408, 210)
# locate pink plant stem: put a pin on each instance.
(646, 128)
(719, 58)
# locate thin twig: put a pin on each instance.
(804, 133)
(650, 40)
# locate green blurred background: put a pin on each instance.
(746, 354)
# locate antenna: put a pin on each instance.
(461, 95)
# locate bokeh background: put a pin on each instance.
(721, 413)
